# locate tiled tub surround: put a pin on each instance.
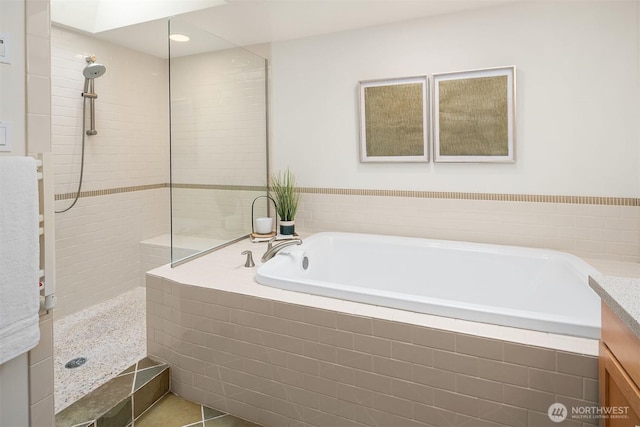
(282, 358)
(589, 227)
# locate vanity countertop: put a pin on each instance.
(622, 295)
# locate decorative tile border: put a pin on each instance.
(221, 187)
(531, 198)
(109, 191)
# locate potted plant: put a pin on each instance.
(283, 190)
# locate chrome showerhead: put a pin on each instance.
(91, 72)
(94, 70)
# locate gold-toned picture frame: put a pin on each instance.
(474, 115)
(394, 120)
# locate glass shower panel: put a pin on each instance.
(218, 140)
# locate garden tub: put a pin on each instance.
(536, 289)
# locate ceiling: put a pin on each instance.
(251, 22)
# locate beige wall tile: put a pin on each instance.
(319, 317)
(320, 385)
(412, 353)
(42, 413)
(307, 382)
(412, 391)
(481, 347)
(373, 345)
(41, 380)
(392, 330)
(327, 353)
(44, 349)
(392, 368)
(502, 414)
(335, 337)
(529, 356)
(503, 372)
(354, 359)
(358, 324)
(527, 398)
(37, 14)
(372, 381)
(433, 416)
(538, 223)
(434, 377)
(433, 338)
(455, 362)
(355, 394)
(554, 382)
(458, 403)
(574, 364)
(478, 387)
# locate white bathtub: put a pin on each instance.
(535, 289)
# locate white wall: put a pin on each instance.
(577, 106)
(12, 76)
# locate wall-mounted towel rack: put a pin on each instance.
(44, 162)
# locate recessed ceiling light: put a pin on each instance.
(179, 38)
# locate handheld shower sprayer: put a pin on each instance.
(91, 72)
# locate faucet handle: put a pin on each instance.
(249, 262)
(271, 240)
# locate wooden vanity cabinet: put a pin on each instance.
(619, 366)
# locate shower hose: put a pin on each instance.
(75, 200)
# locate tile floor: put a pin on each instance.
(139, 397)
(173, 411)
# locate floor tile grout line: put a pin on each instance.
(216, 417)
(133, 383)
(149, 408)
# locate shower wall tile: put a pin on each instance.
(239, 364)
(38, 140)
(41, 380)
(37, 13)
(39, 133)
(218, 104)
(41, 376)
(38, 95)
(590, 231)
(98, 254)
(131, 113)
(39, 57)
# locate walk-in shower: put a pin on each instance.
(91, 72)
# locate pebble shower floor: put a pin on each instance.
(110, 335)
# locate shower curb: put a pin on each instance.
(121, 400)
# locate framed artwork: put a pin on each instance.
(474, 115)
(393, 120)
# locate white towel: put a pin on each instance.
(19, 256)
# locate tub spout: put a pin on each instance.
(272, 249)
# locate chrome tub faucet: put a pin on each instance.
(272, 249)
